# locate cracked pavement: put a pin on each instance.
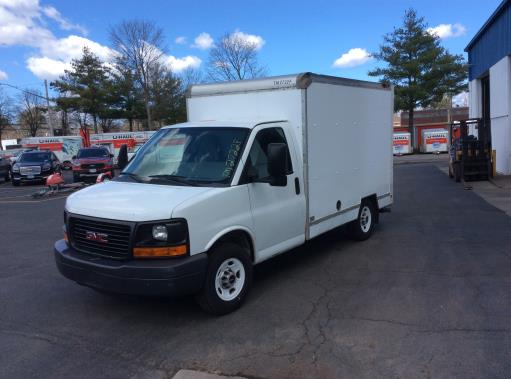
(429, 295)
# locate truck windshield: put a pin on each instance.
(189, 156)
(34, 157)
(92, 153)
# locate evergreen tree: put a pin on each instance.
(86, 86)
(418, 67)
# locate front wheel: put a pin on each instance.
(362, 228)
(228, 279)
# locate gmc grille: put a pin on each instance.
(101, 238)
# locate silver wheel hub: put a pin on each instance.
(230, 279)
(365, 219)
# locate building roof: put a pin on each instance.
(503, 6)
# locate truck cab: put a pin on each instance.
(202, 202)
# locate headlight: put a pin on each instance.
(161, 239)
(16, 167)
(46, 166)
(160, 232)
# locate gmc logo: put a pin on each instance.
(96, 237)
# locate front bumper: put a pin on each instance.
(87, 173)
(165, 277)
(25, 178)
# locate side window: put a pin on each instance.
(258, 157)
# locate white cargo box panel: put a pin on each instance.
(342, 127)
(349, 149)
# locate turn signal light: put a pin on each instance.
(66, 238)
(153, 252)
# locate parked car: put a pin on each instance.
(5, 168)
(34, 165)
(92, 161)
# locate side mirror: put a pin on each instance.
(122, 158)
(74, 157)
(278, 164)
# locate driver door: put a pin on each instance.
(278, 212)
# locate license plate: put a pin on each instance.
(92, 170)
(30, 176)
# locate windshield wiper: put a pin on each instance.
(176, 179)
(133, 176)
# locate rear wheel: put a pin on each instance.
(7, 176)
(15, 183)
(228, 279)
(457, 172)
(362, 228)
(76, 178)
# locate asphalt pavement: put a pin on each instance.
(429, 295)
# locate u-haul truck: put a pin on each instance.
(401, 143)
(64, 147)
(434, 141)
(114, 141)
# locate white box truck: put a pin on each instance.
(261, 167)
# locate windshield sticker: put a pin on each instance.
(232, 157)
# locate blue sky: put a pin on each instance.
(38, 38)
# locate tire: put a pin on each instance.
(76, 178)
(362, 228)
(15, 183)
(450, 172)
(457, 172)
(228, 279)
(7, 176)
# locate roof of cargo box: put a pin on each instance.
(296, 81)
(250, 124)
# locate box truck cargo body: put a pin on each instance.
(260, 167)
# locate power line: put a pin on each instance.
(26, 91)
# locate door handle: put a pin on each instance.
(297, 186)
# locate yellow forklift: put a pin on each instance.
(470, 150)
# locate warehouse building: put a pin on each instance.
(490, 81)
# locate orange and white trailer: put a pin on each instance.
(401, 143)
(114, 141)
(64, 147)
(434, 141)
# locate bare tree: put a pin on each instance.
(189, 77)
(140, 47)
(5, 113)
(234, 58)
(31, 112)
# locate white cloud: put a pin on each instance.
(354, 57)
(203, 41)
(47, 68)
(253, 39)
(181, 40)
(23, 22)
(64, 24)
(3, 75)
(72, 46)
(448, 30)
(180, 64)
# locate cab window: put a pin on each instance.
(258, 157)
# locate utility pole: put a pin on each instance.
(50, 119)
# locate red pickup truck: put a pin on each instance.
(92, 161)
